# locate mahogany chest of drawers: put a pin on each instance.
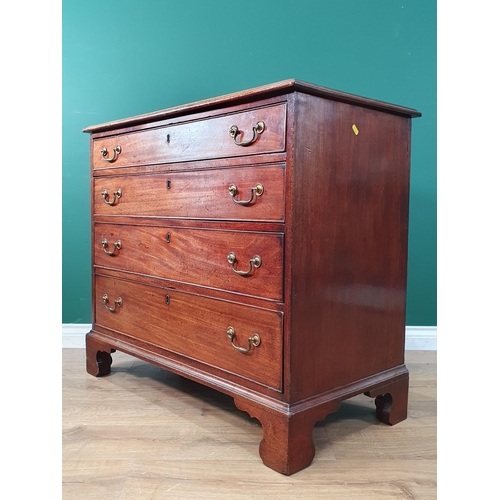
(257, 243)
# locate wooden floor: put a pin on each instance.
(143, 433)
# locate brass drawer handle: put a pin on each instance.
(254, 340)
(255, 261)
(116, 151)
(118, 302)
(117, 246)
(257, 191)
(116, 196)
(258, 128)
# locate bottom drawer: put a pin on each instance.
(196, 327)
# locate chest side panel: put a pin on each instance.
(349, 253)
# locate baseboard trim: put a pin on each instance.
(73, 334)
(418, 338)
(421, 338)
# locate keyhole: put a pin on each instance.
(168, 237)
(168, 184)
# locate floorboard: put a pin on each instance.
(144, 433)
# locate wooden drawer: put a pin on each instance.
(195, 326)
(200, 194)
(195, 140)
(196, 256)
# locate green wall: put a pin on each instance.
(128, 57)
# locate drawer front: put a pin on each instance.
(256, 194)
(196, 256)
(195, 326)
(195, 140)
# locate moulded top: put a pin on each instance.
(270, 90)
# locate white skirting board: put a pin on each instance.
(73, 335)
(418, 338)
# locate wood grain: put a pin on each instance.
(201, 194)
(196, 140)
(347, 272)
(146, 315)
(335, 269)
(243, 97)
(195, 256)
(144, 433)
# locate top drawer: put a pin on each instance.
(254, 131)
